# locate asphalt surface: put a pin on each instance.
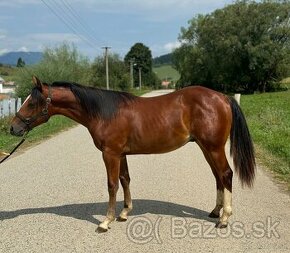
(53, 196)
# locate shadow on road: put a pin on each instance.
(87, 211)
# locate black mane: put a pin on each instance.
(97, 102)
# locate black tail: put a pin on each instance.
(242, 148)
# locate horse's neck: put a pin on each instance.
(65, 103)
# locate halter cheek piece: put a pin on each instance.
(44, 113)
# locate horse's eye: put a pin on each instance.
(31, 105)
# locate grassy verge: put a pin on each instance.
(8, 73)
(268, 117)
(141, 92)
(167, 72)
(53, 126)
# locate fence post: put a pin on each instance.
(9, 106)
(17, 105)
(237, 97)
(1, 110)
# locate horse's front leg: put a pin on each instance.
(112, 163)
(125, 182)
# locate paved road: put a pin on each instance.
(53, 196)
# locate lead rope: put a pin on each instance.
(13, 150)
(48, 101)
(24, 136)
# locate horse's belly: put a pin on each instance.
(158, 145)
(160, 131)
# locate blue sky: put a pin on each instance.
(31, 25)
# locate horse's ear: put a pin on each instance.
(37, 82)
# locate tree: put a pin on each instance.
(20, 63)
(142, 57)
(244, 46)
(163, 59)
(118, 74)
(63, 63)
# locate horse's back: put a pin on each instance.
(164, 123)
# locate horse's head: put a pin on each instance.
(34, 110)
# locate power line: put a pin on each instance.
(86, 28)
(69, 24)
(73, 23)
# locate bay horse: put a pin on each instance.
(122, 124)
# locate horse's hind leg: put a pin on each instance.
(125, 181)
(215, 213)
(218, 161)
(225, 175)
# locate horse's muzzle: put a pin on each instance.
(17, 132)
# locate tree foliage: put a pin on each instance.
(20, 63)
(118, 74)
(142, 57)
(244, 46)
(63, 63)
(163, 59)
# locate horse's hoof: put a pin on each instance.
(213, 215)
(101, 230)
(122, 219)
(221, 225)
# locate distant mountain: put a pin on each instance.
(28, 57)
(163, 59)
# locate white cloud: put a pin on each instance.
(49, 38)
(153, 22)
(36, 42)
(148, 4)
(2, 34)
(3, 51)
(168, 7)
(152, 11)
(172, 45)
(23, 49)
(114, 5)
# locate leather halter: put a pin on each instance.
(43, 113)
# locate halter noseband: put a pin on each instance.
(43, 113)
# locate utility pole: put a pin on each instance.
(107, 66)
(140, 78)
(132, 60)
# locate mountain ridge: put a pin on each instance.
(29, 58)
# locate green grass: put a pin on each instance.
(8, 73)
(55, 125)
(286, 82)
(141, 92)
(167, 72)
(268, 117)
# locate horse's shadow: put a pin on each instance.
(87, 211)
